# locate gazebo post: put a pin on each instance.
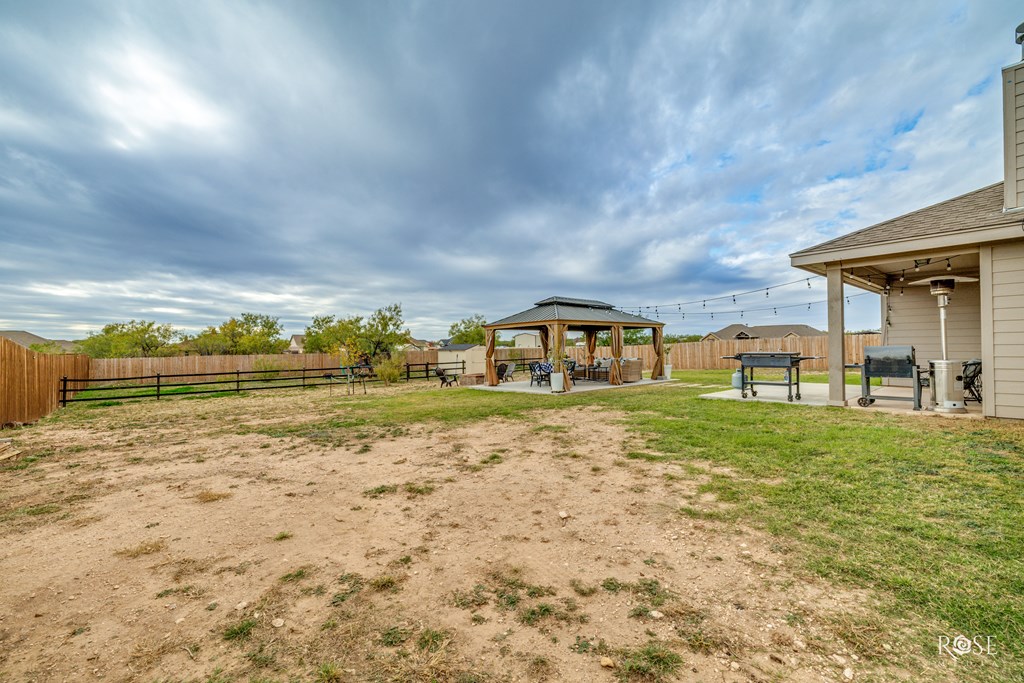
(490, 370)
(657, 336)
(615, 371)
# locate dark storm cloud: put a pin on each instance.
(188, 161)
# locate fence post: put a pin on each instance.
(64, 391)
(303, 376)
(463, 367)
(158, 386)
(238, 383)
(406, 372)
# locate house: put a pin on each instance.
(297, 344)
(526, 340)
(740, 331)
(27, 339)
(973, 243)
(416, 345)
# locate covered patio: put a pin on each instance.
(961, 243)
(554, 317)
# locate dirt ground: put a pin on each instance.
(157, 541)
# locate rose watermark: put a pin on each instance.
(961, 646)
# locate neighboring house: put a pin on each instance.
(977, 236)
(526, 340)
(416, 345)
(441, 343)
(739, 331)
(27, 339)
(451, 356)
(297, 344)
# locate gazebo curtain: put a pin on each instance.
(615, 371)
(544, 340)
(492, 372)
(591, 346)
(658, 336)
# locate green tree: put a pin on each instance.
(374, 337)
(468, 330)
(328, 334)
(681, 338)
(209, 342)
(49, 347)
(383, 331)
(136, 338)
(252, 333)
(630, 337)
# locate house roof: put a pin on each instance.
(981, 208)
(587, 311)
(27, 339)
(299, 338)
(457, 347)
(570, 301)
(767, 331)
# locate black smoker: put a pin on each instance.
(787, 360)
(896, 362)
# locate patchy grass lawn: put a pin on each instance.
(915, 524)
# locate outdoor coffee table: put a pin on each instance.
(597, 374)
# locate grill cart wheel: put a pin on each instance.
(753, 393)
(743, 394)
(798, 397)
(790, 398)
(864, 401)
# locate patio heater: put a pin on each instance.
(944, 372)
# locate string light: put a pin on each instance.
(903, 275)
(949, 266)
(734, 297)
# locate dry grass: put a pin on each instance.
(207, 496)
(144, 548)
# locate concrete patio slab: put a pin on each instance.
(524, 387)
(817, 395)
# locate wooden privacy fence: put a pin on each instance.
(707, 355)
(113, 369)
(29, 381)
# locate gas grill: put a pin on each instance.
(786, 360)
(891, 362)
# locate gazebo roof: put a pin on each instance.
(566, 310)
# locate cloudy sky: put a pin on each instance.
(188, 161)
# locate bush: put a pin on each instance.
(390, 370)
(268, 368)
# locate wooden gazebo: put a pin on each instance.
(557, 315)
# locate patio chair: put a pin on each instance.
(500, 371)
(570, 366)
(508, 376)
(538, 376)
(972, 380)
(447, 378)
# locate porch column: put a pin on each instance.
(615, 371)
(491, 371)
(657, 336)
(836, 336)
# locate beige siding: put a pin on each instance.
(1013, 135)
(474, 357)
(1005, 382)
(915, 321)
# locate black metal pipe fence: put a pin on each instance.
(234, 382)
